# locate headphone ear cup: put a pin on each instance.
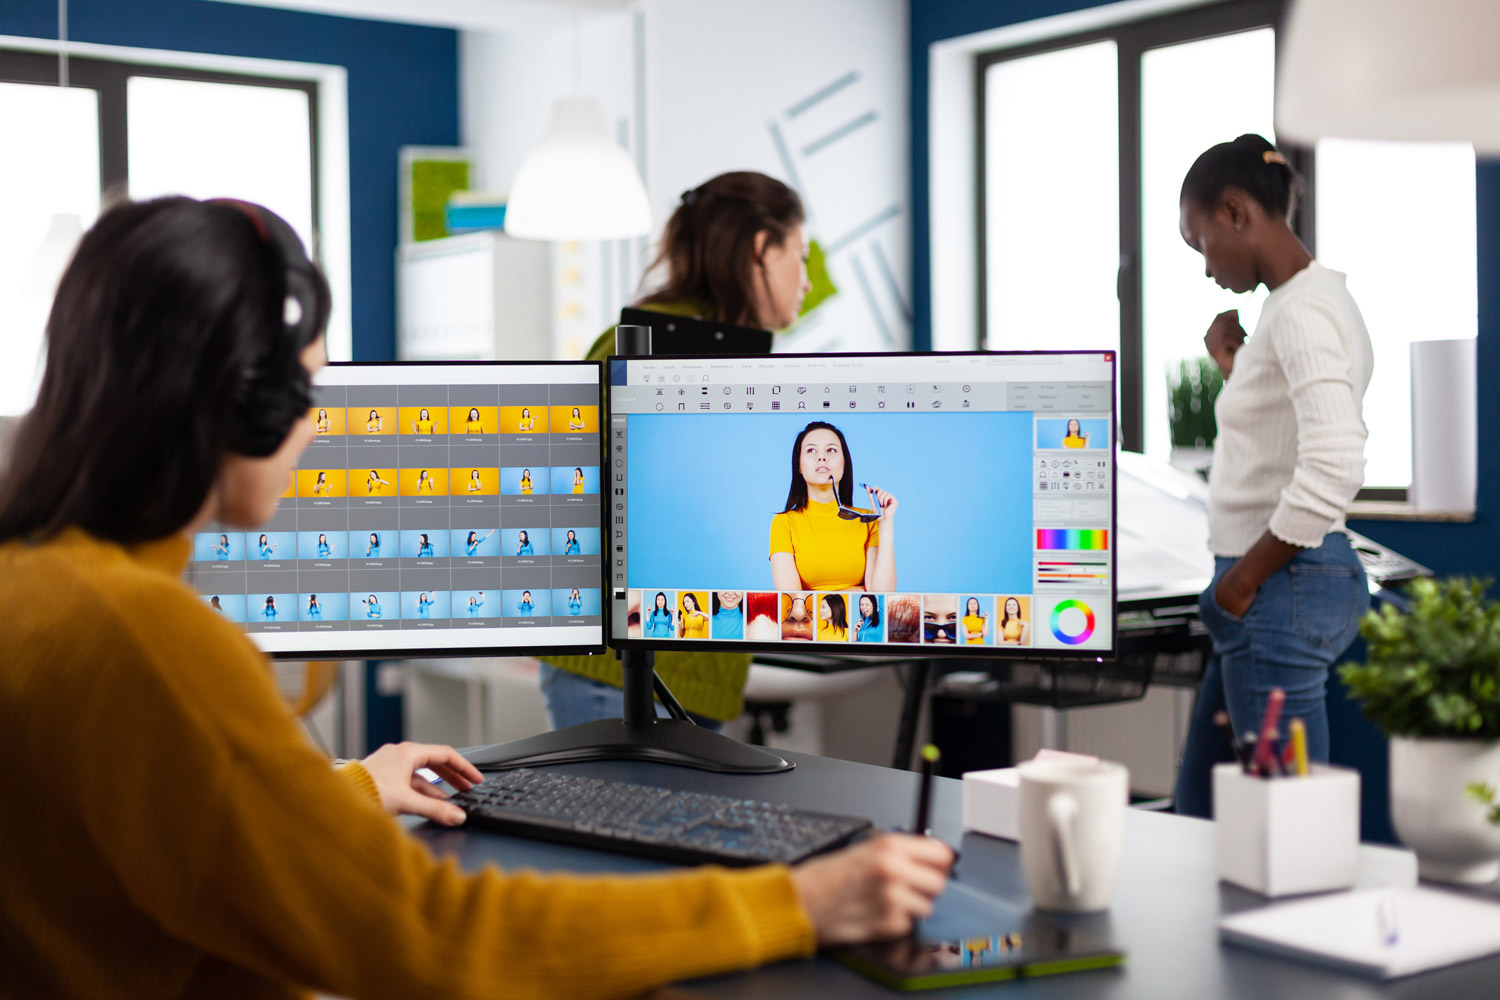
(275, 392)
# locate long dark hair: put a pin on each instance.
(708, 244)
(874, 608)
(836, 615)
(168, 322)
(1005, 610)
(796, 495)
(1249, 163)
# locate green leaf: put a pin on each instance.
(1434, 671)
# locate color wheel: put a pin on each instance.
(1081, 635)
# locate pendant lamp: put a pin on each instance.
(578, 184)
(1393, 70)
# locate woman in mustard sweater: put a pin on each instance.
(256, 869)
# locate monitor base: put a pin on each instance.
(663, 741)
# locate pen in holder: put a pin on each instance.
(1282, 836)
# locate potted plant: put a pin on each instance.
(1431, 682)
(1191, 392)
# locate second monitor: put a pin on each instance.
(872, 502)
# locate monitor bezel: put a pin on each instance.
(448, 652)
(887, 650)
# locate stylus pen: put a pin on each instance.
(930, 757)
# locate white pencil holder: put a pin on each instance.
(1283, 836)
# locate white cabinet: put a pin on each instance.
(480, 296)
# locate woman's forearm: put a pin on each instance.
(881, 574)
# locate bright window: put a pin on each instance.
(51, 166)
(223, 140)
(1413, 272)
(1180, 118)
(1052, 204)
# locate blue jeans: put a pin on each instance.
(573, 699)
(1302, 620)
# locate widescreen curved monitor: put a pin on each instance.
(877, 503)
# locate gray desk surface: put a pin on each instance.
(1165, 911)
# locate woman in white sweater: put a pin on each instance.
(1288, 590)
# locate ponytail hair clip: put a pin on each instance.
(1271, 156)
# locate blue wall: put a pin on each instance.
(403, 90)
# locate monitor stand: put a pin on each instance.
(639, 735)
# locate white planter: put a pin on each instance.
(1434, 816)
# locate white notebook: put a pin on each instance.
(1385, 933)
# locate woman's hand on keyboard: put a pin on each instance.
(875, 889)
(402, 790)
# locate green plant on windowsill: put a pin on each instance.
(1435, 671)
(1190, 397)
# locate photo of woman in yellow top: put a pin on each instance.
(1015, 630)
(833, 619)
(473, 425)
(424, 481)
(324, 424)
(323, 486)
(375, 423)
(692, 623)
(820, 541)
(374, 484)
(976, 623)
(423, 424)
(525, 481)
(474, 484)
(577, 480)
(1075, 438)
(526, 422)
(576, 421)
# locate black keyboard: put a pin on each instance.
(686, 827)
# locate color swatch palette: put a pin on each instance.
(1072, 539)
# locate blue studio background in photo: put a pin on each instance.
(986, 608)
(411, 542)
(562, 479)
(1050, 433)
(589, 596)
(510, 480)
(588, 541)
(541, 603)
(388, 601)
(409, 607)
(510, 540)
(335, 607)
(488, 540)
(283, 545)
(286, 607)
(205, 546)
(231, 606)
(487, 604)
(703, 490)
(338, 545)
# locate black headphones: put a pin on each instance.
(274, 391)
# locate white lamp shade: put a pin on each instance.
(51, 256)
(578, 184)
(1393, 70)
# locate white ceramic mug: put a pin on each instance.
(1073, 832)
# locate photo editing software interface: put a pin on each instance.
(440, 506)
(992, 475)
